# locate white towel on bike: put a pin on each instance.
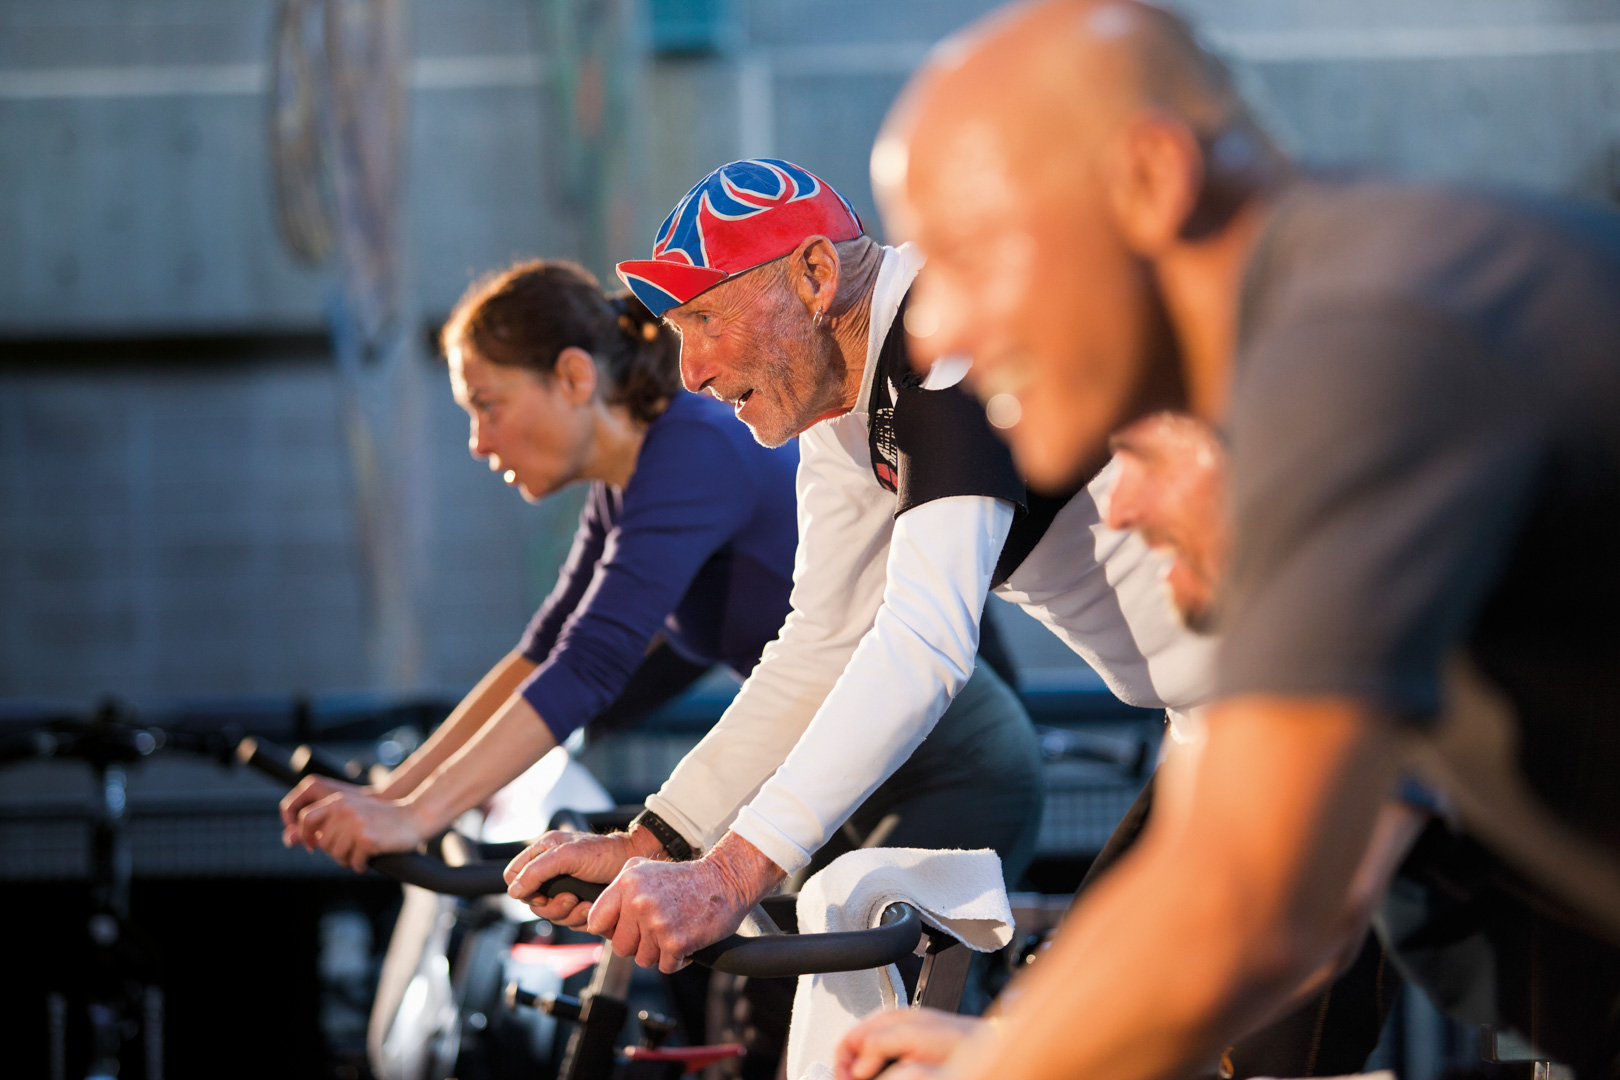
(960, 892)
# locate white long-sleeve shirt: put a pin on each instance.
(884, 630)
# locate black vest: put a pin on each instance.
(933, 444)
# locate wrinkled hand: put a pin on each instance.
(351, 825)
(660, 912)
(902, 1044)
(587, 856)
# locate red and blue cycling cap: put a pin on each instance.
(738, 217)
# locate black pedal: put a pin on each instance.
(655, 1029)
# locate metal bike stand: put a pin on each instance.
(944, 976)
(603, 1010)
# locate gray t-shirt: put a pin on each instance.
(1425, 438)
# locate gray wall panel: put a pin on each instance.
(170, 529)
(828, 126)
(469, 215)
(143, 215)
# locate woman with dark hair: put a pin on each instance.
(687, 535)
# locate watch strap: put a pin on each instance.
(674, 843)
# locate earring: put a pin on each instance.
(815, 320)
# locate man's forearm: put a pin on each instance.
(1132, 988)
(474, 711)
(900, 679)
(498, 754)
(1200, 935)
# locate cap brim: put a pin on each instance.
(662, 284)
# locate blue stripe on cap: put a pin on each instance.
(657, 300)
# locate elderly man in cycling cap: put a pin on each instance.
(910, 510)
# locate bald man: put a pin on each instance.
(1420, 389)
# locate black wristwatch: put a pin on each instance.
(674, 843)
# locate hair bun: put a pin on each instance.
(635, 318)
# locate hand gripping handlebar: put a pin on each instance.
(769, 956)
(459, 873)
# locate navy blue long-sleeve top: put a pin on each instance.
(699, 544)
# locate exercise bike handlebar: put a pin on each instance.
(471, 880)
(289, 769)
(767, 956)
(780, 956)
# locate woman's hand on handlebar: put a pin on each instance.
(310, 790)
(351, 825)
(902, 1044)
(587, 856)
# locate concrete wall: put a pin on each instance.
(176, 520)
(137, 194)
(188, 529)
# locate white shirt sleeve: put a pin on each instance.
(917, 656)
(845, 525)
(882, 634)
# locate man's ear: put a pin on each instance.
(1153, 172)
(813, 273)
(575, 375)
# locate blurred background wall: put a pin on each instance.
(177, 496)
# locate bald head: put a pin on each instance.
(1044, 159)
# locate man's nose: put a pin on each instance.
(697, 368)
(1124, 510)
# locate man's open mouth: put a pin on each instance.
(741, 400)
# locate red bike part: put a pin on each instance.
(692, 1057)
(565, 960)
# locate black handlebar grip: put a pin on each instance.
(779, 956)
(474, 879)
(504, 851)
(313, 761)
(585, 890)
(270, 760)
(435, 875)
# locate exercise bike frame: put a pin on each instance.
(462, 867)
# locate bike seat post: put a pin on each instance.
(944, 972)
(603, 1011)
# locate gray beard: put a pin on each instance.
(808, 387)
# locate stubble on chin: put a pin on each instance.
(803, 377)
(770, 438)
(1198, 617)
(1196, 608)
